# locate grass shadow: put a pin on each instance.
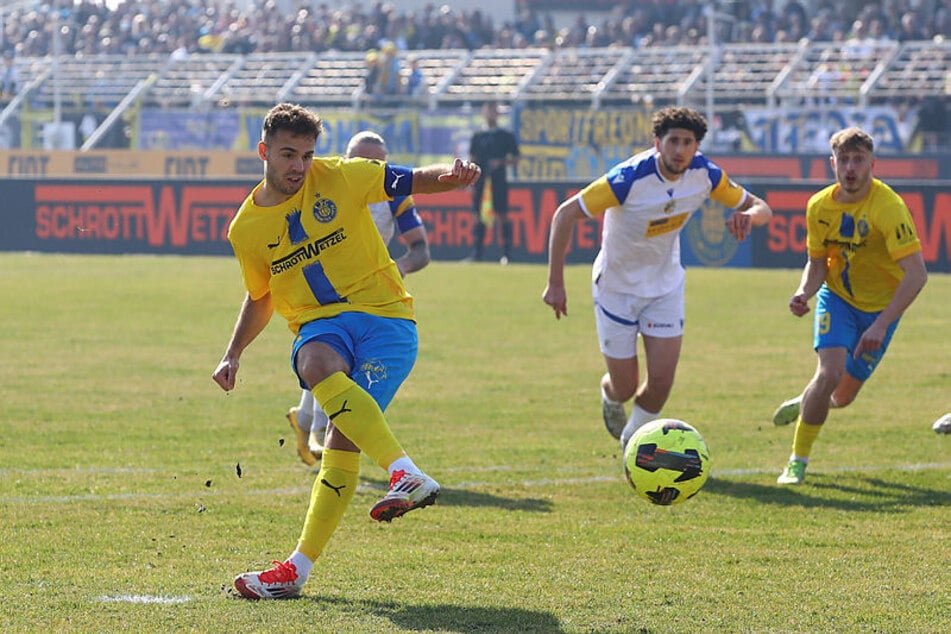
(453, 617)
(469, 497)
(829, 490)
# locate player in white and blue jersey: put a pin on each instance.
(638, 278)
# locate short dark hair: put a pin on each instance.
(679, 117)
(851, 139)
(297, 120)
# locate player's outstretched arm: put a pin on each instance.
(433, 179)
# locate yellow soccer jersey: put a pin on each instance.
(320, 253)
(861, 242)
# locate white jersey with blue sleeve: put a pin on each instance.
(395, 216)
(644, 214)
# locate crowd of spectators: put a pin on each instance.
(136, 27)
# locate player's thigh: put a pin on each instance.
(384, 356)
(661, 354)
(838, 324)
(616, 322)
(316, 355)
(835, 324)
(862, 367)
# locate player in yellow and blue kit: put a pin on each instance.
(309, 249)
(397, 216)
(866, 268)
(637, 278)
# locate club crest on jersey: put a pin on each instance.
(669, 207)
(325, 210)
(862, 227)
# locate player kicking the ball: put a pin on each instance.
(308, 248)
(394, 217)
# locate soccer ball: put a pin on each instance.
(666, 461)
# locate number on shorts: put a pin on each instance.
(825, 322)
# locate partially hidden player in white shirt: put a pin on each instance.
(637, 277)
(308, 421)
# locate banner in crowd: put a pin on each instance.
(807, 129)
(557, 142)
(578, 143)
(170, 216)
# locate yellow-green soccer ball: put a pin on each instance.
(667, 461)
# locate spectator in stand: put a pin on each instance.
(942, 19)
(91, 27)
(820, 28)
(388, 65)
(910, 28)
(10, 79)
(371, 82)
(416, 85)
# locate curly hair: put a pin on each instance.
(679, 117)
(297, 120)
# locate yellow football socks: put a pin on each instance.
(353, 411)
(805, 435)
(334, 488)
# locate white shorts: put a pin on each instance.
(619, 318)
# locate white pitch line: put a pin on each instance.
(78, 470)
(465, 485)
(144, 598)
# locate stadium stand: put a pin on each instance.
(752, 74)
(167, 54)
(493, 75)
(261, 78)
(190, 80)
(659, 74)
(576, 74)
(332, 78)
(86, 81)
(833, 72)
(745, 73)
(918, 68)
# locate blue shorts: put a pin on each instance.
(838, 324)
(380, 351)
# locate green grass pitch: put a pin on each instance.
(122, 508)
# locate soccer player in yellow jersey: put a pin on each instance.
(866, 268)
(393, 217)
(309, 249)
(637, 277)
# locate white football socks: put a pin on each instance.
(302, 564)
(305, 411)
(404, 464)
(635, 421)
